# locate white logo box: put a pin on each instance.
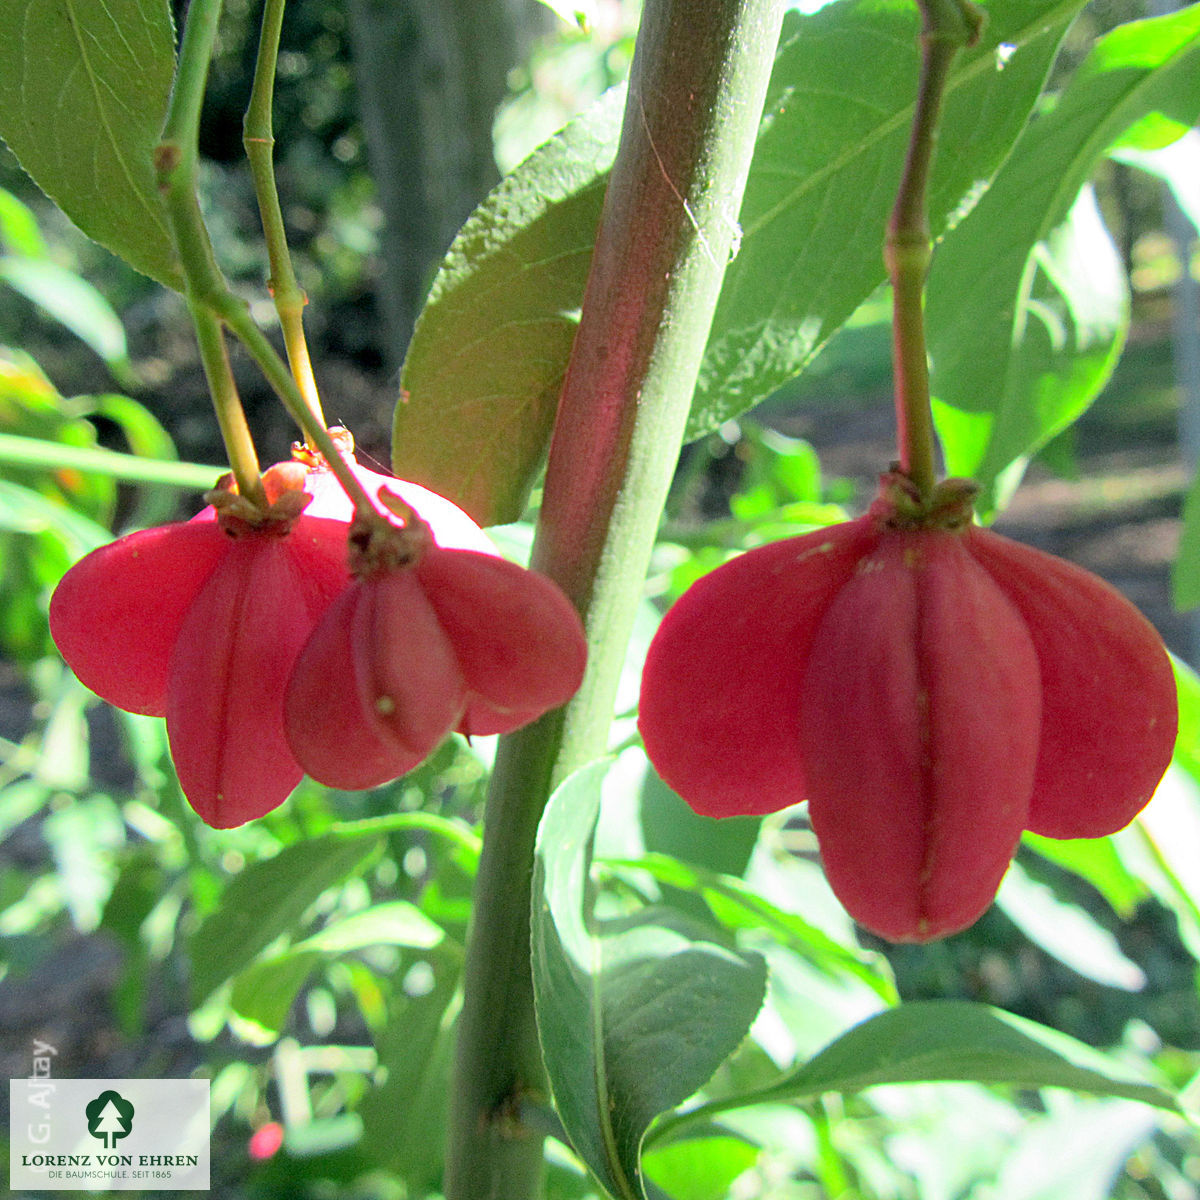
(108, 1134)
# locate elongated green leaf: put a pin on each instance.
(634, 1013)
(958, 1040)
(1029, 378)
(826, 170)
(1026, 304)
(25, 511)
(38, 453)
(266, 900)
(487, 357)
(490, 349)
(1067, 931)
(1185, 572)
(739, 907)
(75, 304)
(83, 94)
(404, 1118)
(1097, 861)
(265, 990)
(19, 230)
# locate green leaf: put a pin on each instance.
(670, 826)
(1187, 740)
(1075, 1152)
(25, 511)
(738, 906)
(74, 304)
(83, 95)
(1097, 861)
(84, 839)
(635, 1013)
(266, 900)
(1185, 571)
(1026, 297)
(1176, 164)
(490, 349)
(1067, 931)
(1005, 386)
(924, 1041)
(404, 1117)
(264, 992)
(19, 232)
(96, 460)
(827, 166)
(482, 373)
(149, 441)
(701, 1168)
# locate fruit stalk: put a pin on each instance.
(259, 141)
(946, 26)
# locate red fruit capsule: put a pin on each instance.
(929, 687)
(426, 640)
(201, 622)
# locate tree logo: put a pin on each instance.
(109, 1117)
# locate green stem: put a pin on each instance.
(696, 92)
(19, 451)
(231, 417)
(176, 162)
(259, 140)
(947, 26)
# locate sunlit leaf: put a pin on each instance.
(83, 95)
(1006, 385)
(482, 373)
(955, 1039)
(825, 173)
(490, 349)
(1176, 164)
(1097, 861)
(738, 906)
(614, 994)
(1076, 1151)
(76, 305)
(1066, 931)
(701, 1168)
(404, 1118)
(265, 991)
(19, 232)
(1026, 299)
(267, 899)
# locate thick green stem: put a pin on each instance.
(947, 26)
(666, 234)
(259, 140)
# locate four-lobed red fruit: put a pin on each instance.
(929, 687)
(202, 621)
(426, 640)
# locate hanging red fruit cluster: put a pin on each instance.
(215, 622)
(929, 687)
